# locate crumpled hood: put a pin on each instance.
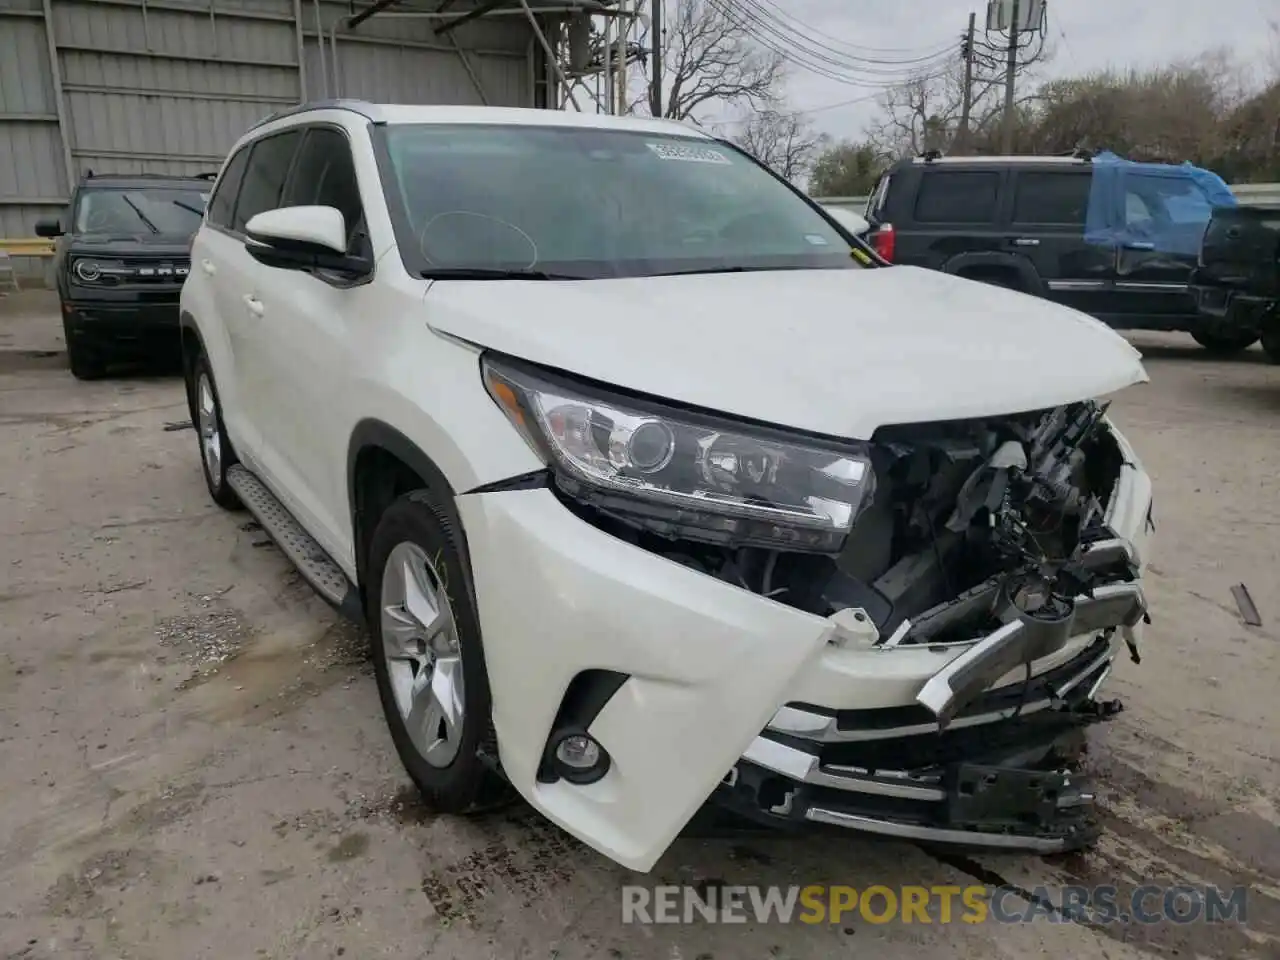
(836, 352)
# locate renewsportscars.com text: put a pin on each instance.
(817, 903)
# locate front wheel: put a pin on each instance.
(427, 654)
(83, 356)
(1226, 343)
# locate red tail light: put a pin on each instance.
(882, 241)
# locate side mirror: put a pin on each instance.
(302, 238)
(854, 223)
(48, 228)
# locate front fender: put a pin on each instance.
(707, 665)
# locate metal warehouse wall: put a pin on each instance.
(166, 86)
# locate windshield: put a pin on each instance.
(591, 203)
(177, 210)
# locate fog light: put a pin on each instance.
(579, 758)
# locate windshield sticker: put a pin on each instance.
(861, 257)
(816, 240)
(669, 151)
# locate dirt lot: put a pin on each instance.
(193, 763)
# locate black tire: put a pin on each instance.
(1271, 344)
(215, 474)
(1223, 344)
(83, 357)
(466, 781)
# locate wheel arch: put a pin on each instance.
(191, 345)
(383, 464)
(989, 261)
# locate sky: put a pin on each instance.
(1086, 35)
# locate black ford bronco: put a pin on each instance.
(121, 258)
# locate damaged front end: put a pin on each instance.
(903, 636)
(994, 543)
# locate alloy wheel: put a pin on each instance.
(208, 426)
(423, 657)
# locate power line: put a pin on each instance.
(842, 103)
(809, 110)
(844, 70)
(806, 50)
(769, 10)
(845, 43)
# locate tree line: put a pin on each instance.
(1210, 111)
(1200, 112)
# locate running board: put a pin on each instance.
(316, 566)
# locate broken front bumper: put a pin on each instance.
(813, 720)
(1002, 775)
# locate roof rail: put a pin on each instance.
(998, 159)
(362, 107)
(134, 175)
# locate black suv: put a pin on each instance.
(120, 262)
(1019, 222)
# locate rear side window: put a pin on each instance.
(1179, 199)
(1051, 198)
(958, 196)
(265, 175)
(223, 202)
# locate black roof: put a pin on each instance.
(362, 107)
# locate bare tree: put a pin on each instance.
(924, 112)
(709, 60)
(784, 142)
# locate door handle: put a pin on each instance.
(207, 266)
(1026, 242)
(255, 305)
(1140, 245)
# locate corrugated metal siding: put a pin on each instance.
(33, 180)
(398, 58)
(161, 90)
(166, 86)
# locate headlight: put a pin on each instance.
(685, 474)
(88, 270)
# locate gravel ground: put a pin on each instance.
(193, 763)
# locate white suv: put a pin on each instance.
(654, 485)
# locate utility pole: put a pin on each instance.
(655, 84)
(1011, 71)
(966, 105)
(624, 31)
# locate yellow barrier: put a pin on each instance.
(34, 247)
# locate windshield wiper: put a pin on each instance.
(141, 216)
(687, 273)
(491, 273)
(186, 206)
